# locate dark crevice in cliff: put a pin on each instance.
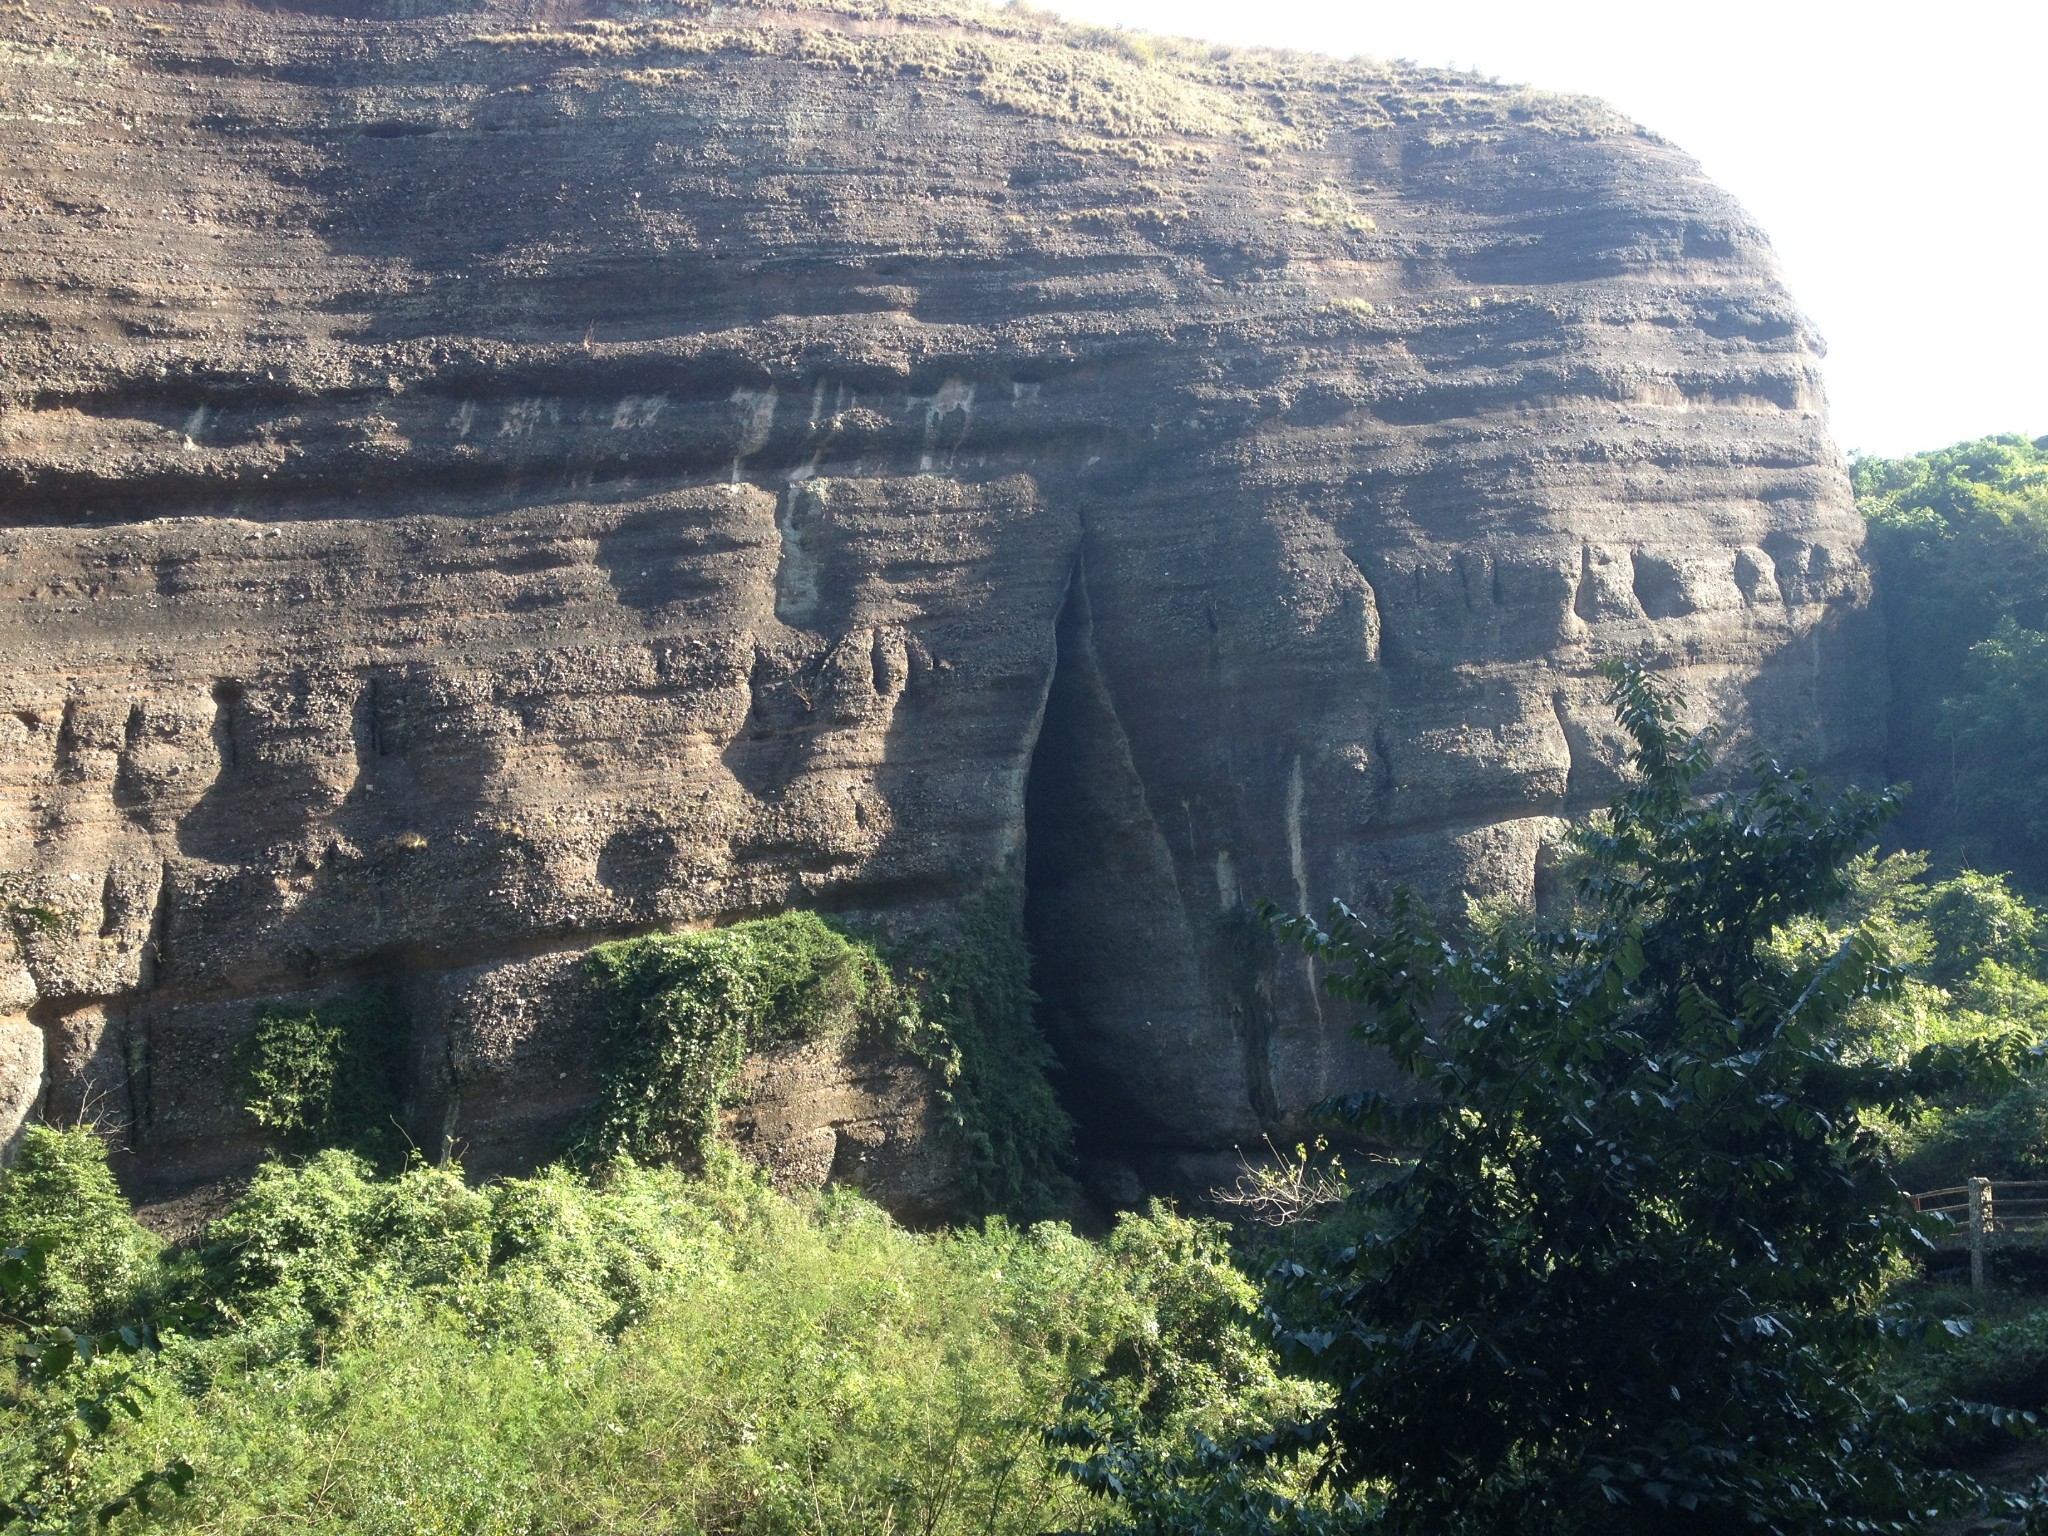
(1107, 927)
(1069, 831)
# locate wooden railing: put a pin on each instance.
(1984, 1211)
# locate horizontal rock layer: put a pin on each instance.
(477, 484)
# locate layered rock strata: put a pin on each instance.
(476, 484)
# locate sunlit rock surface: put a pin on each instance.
(478, 484)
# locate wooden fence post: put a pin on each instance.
(1980, 1218)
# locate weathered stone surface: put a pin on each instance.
(846, 1113)
(21, 1080)
(478, 484)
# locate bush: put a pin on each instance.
(60, 1196)
(2005, 1138)
(648, 1349)
(330, 1075)
(310, 1246)
(683, 1011)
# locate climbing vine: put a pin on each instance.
(681, 1013)
(993, 1061)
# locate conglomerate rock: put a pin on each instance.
(477, 483)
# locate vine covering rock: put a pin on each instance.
(682, 1012)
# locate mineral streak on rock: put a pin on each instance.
(479, 483)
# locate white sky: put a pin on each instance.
(1897, 153)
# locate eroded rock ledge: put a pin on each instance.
(478, 484)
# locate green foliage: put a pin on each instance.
(1192, 1351)
(2004, 1136)
(1976, 919)
(1974, 991)
(554, 1262)
(1624, 1283)
(1960, 540)
(60, 1200)
(1195, 1488)
(1997, 1357)
(1997, 729)
(682, 1012)
(311, 1245)
(994, 1062)
(76, 1271)
(329, 1075)
(1970, 490)
(653, 1350)
(70, 1386)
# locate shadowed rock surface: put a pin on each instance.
(478, 484)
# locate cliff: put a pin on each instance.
(473, 484)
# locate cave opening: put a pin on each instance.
(1102, 945)
(1064, 819)
(1159, 997)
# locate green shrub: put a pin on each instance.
(682, 1011)
(2001, 1361)
(329, 1075)
(654, 1350)
(310, 1246)
(60, 1194)
(1194, 1358)
(557, 1261)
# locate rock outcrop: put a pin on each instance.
(478, 483)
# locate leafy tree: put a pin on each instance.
(1974, 918)
(1627, 1281)
(1960, 541)
(1996, 727)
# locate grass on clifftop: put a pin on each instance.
(1119, 85)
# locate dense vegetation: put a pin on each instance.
(328, 1076)
(1625, 1282)
(639, 1350)
(1960, 541)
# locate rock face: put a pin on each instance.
(476, 484)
